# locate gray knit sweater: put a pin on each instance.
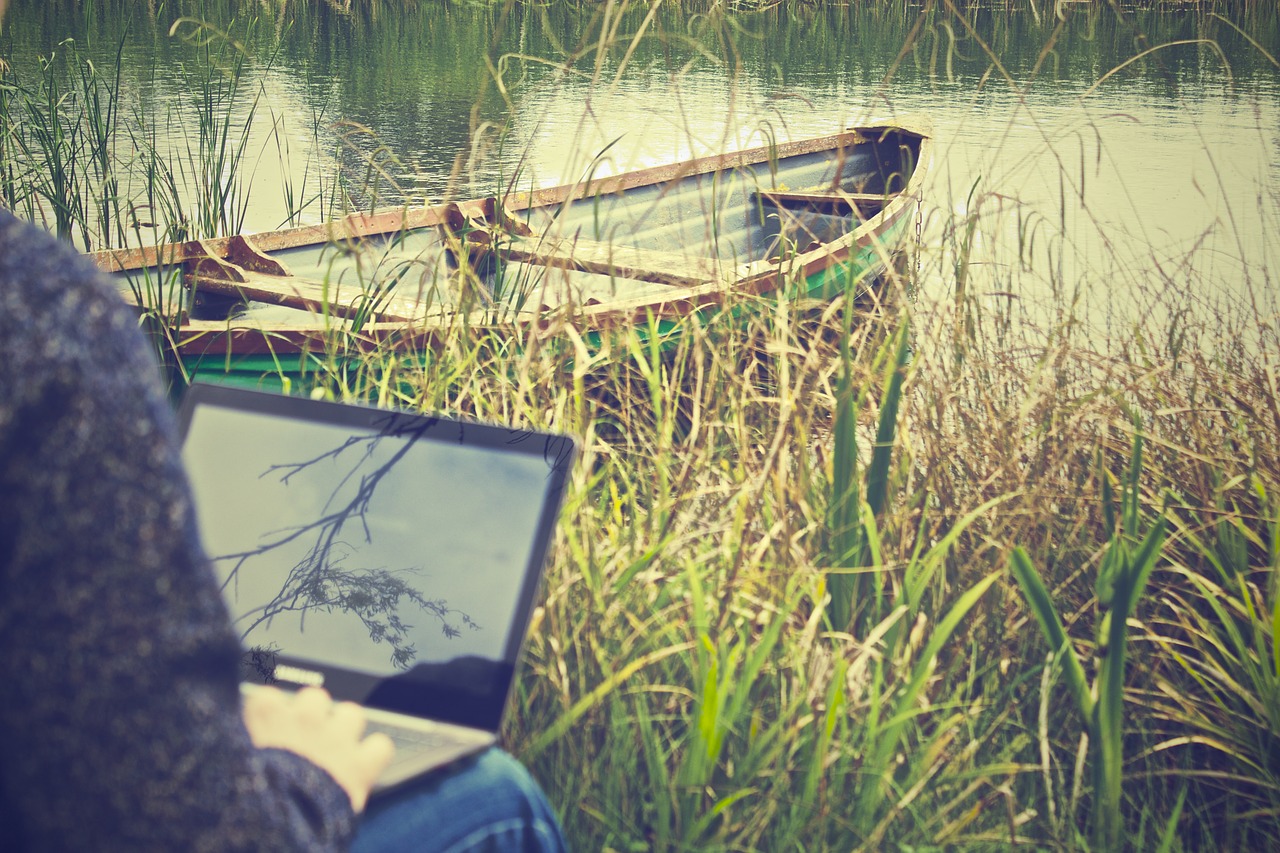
(119, 709)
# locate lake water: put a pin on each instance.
(1150, 189)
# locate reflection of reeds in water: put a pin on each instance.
(781, 613)
(100, 167)
(58, 145)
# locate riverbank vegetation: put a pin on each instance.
(910, 573)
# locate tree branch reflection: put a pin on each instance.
(324, 578)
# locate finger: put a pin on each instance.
(349, 718)
(377, 751)
(264, 697)
(373, 754)
(313, 703)
(313, 694)
(263, 704)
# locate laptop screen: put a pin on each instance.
(392, 557)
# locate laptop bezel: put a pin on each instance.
(559, 450)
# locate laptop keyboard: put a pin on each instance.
(413, 743)
(417, 739)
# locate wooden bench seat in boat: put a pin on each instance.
(541, 288)
(833, 203)
(305, 294)
(664, 267)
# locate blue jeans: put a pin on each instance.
(489, 803)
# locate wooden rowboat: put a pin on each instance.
(812, 218)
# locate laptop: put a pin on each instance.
(392, 558)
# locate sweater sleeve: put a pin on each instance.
(119, 703)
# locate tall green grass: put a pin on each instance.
(687, 686)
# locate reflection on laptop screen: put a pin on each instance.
(388, 549)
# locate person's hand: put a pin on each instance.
(327, 733)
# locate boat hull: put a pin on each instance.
(650, 249)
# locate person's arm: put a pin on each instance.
(120, 709)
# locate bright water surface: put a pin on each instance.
(1138, 194)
